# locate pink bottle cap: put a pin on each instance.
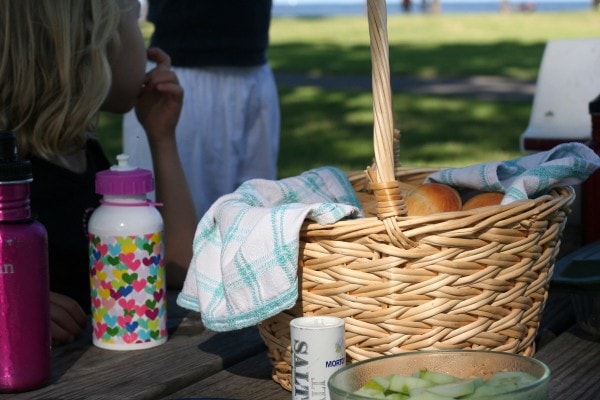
(123, 179)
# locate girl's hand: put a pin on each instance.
(159, 103)
(67, 319)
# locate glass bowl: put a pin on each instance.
(460, 363)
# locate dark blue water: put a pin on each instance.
(324, 9)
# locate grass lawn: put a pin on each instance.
(427, 45)
(436, 131)
(334, 127)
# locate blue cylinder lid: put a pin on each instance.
(123, 179)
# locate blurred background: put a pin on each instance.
(463, 75)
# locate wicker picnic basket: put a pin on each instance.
(458, 280)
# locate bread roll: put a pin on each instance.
(431, 198)
(483, 199)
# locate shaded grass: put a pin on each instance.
(109, 134)
(427, 45)
(425, 61)
(436, 131)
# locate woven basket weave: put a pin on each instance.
(461, 280)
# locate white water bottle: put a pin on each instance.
(127, 274)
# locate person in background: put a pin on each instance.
(406, 5)
(62, 62)
(230, 122)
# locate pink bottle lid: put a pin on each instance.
(123, 179)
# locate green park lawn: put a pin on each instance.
(322, 126)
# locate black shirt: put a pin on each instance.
(63, 202)
(199, 33)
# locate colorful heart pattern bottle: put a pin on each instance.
(127, 278)
(126, 262)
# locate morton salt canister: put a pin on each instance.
(318, 350)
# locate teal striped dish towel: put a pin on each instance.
(245, 261)
(525, 177)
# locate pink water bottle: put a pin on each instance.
(25, 342)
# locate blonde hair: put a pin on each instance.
(54, 70)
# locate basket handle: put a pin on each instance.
(390, 202)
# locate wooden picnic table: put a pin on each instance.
(191, 355)
(196, 363)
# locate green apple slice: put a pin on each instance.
(404, 384)
(517, 378)
(430, 396)
(436, 377)
(429, 385)
(454, 389)
(396, 396)
(378, 383)
(370, 393)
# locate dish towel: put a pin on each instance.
(528, 176)
(244, 266)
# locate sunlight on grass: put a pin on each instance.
(448, 28)
(336, 127)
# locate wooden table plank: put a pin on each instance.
(195, 362)
(150, 373)
(574, 361)
(82, 371)
(248, 380)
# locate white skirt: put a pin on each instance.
(228, 131)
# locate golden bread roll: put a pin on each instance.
(431, 198)
(483, 199)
